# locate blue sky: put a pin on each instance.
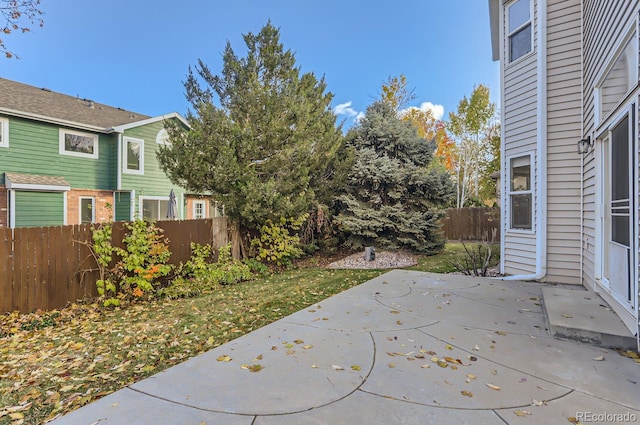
(134, 54)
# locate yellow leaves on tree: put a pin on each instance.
(395, 92)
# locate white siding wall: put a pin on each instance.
(520, 122)
(564, 127)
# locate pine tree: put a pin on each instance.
(393, 199)
(271, 135)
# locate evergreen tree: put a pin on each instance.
(393, 198)
(271, 135)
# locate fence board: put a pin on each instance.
(473, 224)
(48, 267)
(6, 270)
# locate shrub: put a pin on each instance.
(200, 274)
(143, 260)
(279, 243)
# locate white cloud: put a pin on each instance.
(436, 110)
(346, 109)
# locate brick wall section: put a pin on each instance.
(102, 198)
(4, 207)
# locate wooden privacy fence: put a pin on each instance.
(471, 224)
(47, 267)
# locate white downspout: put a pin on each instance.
(119, 164)
(12, 208)
(541, 152)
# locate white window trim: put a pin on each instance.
(93, 208)
(125, 142)
(630, 35)
(204, 209)
(63, 151)
(5, 133)
(141, 200)
(532, 191)
(162, 138)
(510, 33)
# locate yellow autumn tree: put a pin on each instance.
(396, 93)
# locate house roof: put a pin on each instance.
(27, 101)
(28, 181)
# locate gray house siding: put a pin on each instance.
(564, 102)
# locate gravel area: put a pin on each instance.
(383, 260)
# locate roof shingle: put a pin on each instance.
(28, 99)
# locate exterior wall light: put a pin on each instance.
(584, 145)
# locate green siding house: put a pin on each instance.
(65, 160)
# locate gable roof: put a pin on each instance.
(45, 105)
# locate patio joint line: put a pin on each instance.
(256, 415)
(439, 406)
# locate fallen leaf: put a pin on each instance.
(493, 387)
(298, 341)
(307, 347)
(599, 358)
(631, 354)
(391, 365)
(466, 393)
(224, 358)
(471, 376)
(252, 368)
(448, 347)
(476, 348)
(426, 366)
(259, 357)
(442, 363)
(356, 367)
(535, 402)
(567, 316)
(501, 333)
(521, 413)
(434, 359)
(452, 360)
(394, 312)
(336, 367)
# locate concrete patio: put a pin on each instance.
(406, 347)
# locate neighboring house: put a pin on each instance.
(570, 100)
(63, 159)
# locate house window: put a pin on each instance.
(162, 138)
(75, 143)
(155, 208)
(199, 209)
(133, 156)
(520, 193)
(619, 79)
(4, 132)
(87, 210)
(520, 34)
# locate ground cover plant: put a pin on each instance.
(54, 362)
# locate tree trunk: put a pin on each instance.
(236, 241)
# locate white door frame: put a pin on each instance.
(626, 309)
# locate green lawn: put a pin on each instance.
(52, 363)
